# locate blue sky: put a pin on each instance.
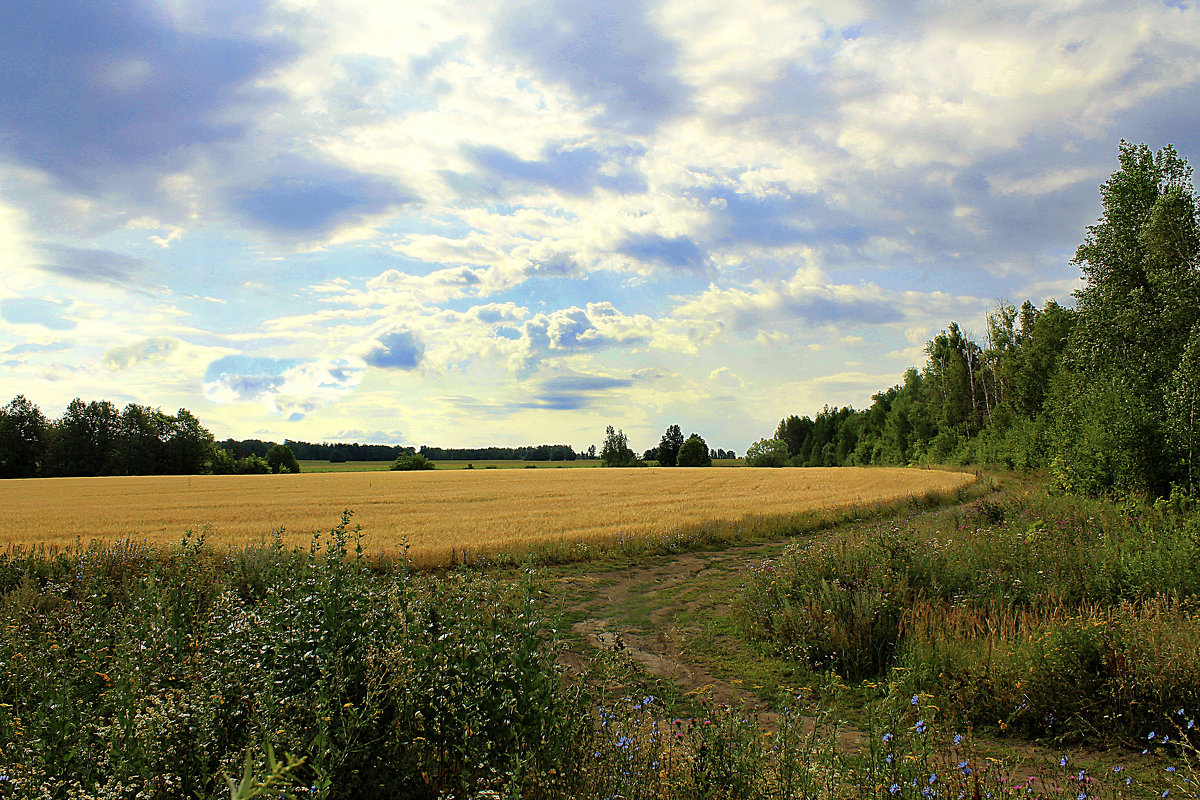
(472, 223)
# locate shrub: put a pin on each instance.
(767, 453)
(412, 461)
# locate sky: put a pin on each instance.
(466, 223)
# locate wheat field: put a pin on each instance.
(434, 512)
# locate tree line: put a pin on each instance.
(1105, 396)
(336, 453)
(94, 438)
(541, 452)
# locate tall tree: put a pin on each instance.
(189, 444)
(22, 439)
(1139, 303)
(668, 446)
(141, 440)
(616, 452)
(694, 453)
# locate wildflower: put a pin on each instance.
(1170, 769)
(920, 726)
(933, 778)
(958, 738)
(916, 700)
(1062, 762)
(894, 788)
(887, 737)
(1151, 736)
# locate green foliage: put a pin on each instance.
(94, 439)
(412, 461)
(22, 439)
(223, 462)
(616, 452)
(1136, 312)
(124, 666)
(280, 458)
(694, 453)
(668, 447)
(767, 453)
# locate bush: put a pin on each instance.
(412, 461)
(767, 453)
(281, 458)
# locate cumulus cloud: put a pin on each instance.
(395, 349)
(290, 388)
(575, 329)
(147, 351)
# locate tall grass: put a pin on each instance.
(1048, 616)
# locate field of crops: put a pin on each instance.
(439, 511)
(380, 466)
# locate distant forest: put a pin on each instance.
(1105, 397)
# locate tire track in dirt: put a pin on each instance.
(653, 615)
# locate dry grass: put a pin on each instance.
(478, 510)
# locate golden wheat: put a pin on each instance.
(479, 510)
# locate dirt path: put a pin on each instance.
(673, 617)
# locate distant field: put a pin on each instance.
(439, 510)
